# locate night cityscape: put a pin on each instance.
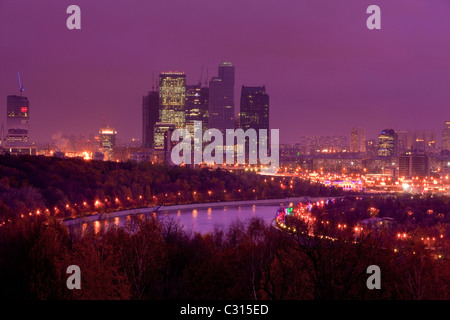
(237, 151)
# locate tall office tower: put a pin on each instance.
(17, 121)
(388, 143)
(172, 98)
(107, 141)
(221, 98)
(254, 108)
(446, 136)
(197, 107)
(254, 113)
(150, 116)
(357, 140)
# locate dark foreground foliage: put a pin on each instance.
(153, 260)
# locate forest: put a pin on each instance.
(66, 188)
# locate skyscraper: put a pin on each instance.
(357, 140)
(388, 143)
(254, 108)
(172, 98)
(17, 121)
(197, 107)
(107, 141)
(150, 116)
(446, 136)
(221, 98)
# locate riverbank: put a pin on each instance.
(191, 206)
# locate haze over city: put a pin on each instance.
(323, 69)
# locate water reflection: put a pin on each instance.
(209, 213)
(97, 227)
(201, 220)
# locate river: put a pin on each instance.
(202, 218)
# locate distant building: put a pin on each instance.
(254, 108)
(221, 98)
(172, 98)
(414, 165)
(388, 143)
(254, 111)
(446, 136)
(107, 141)
(150, 116)
(416, 140)
(196, 107)
(372, 147)
(17, 121)
(323, 144)
(160, 129)
(337, 162)
(357, 140)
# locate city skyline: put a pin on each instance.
(318, 61)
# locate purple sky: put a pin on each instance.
(323, 69)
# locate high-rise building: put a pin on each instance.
(197, 107)
(254, 111)
(17, 121)
(254, 108)
(358, 140)
(446, 136)
(414, 165)
(388, 143)
(160, 134)
(172, 98)
(150, 116)
(221, 98)
(107, 141)
(417, 140)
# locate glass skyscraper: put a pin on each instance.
(172, 98)
(254, 108)
(150, 116)
(197, 107)
(221, 98)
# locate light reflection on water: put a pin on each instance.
(97, 227)
(201, 220)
